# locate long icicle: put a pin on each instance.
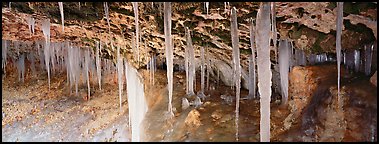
(338, 42)
(135, 8)
(191, 63)
(86, 64)
(119, 74)
(169, 53)
(264, 70)
(98, 63)
(62, 16)
(283, 59)
(252, 70)
(273, 29)
(46, 33)
(236, 59)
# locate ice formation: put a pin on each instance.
(46, 33)
(264, 70)
(338, 41)
(252, 71)
(136, 101)
(135, 8)
(169, 53)
(236, 59)
(284, 57)
(191, 63)
(62, 16)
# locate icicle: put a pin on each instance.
(186, 61)
(191, 63)
(283, 68)
(46, 33)
(207, 6)
(98, 63)
(29, 21)
(169, 53)
(119, 73)
(52, 59)
(136, 101)
(79, 5)
(252, 77)
(4, 52)
(264, 70)
(10, 8)
(134, 48)
(21, 67)
(32, 66)
(208, 66)
(135, 8)
(62, 16)
(368, 58)
(107, 15)
(236, 59)
(338, 41)
(273, 28)
(87, 61)
(225, 7)
(202, 68)
(356, 60)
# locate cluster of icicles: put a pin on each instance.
(83, 66)
(66, 57)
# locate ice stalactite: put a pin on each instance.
(4, 52)
(169, 53)
(86, 65)
(186, 61)
(207, 6)
(208, 65)
(264, 70)
(273, 29)
(10, 7)
(46, 33)
(191, 63)
(62, 16)
(135, 8)
(368, 58)
(152, 69)
(252, 77)
(357, 55)
(120, 68)
(106, 10)
(79, 6)
(136, 101)
(52, 59)
(202, 70)
(236, 59)
(339, 25)
(30, 20)
(21, 67)
(225, 7)
(134, 48)
(98, 63)
(31, 58)
(284, 58)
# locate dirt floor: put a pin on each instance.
(32, 112)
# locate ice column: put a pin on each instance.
(264, 70)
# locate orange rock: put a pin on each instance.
(373, 79)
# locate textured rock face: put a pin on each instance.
(310, 25)
(303, 82)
